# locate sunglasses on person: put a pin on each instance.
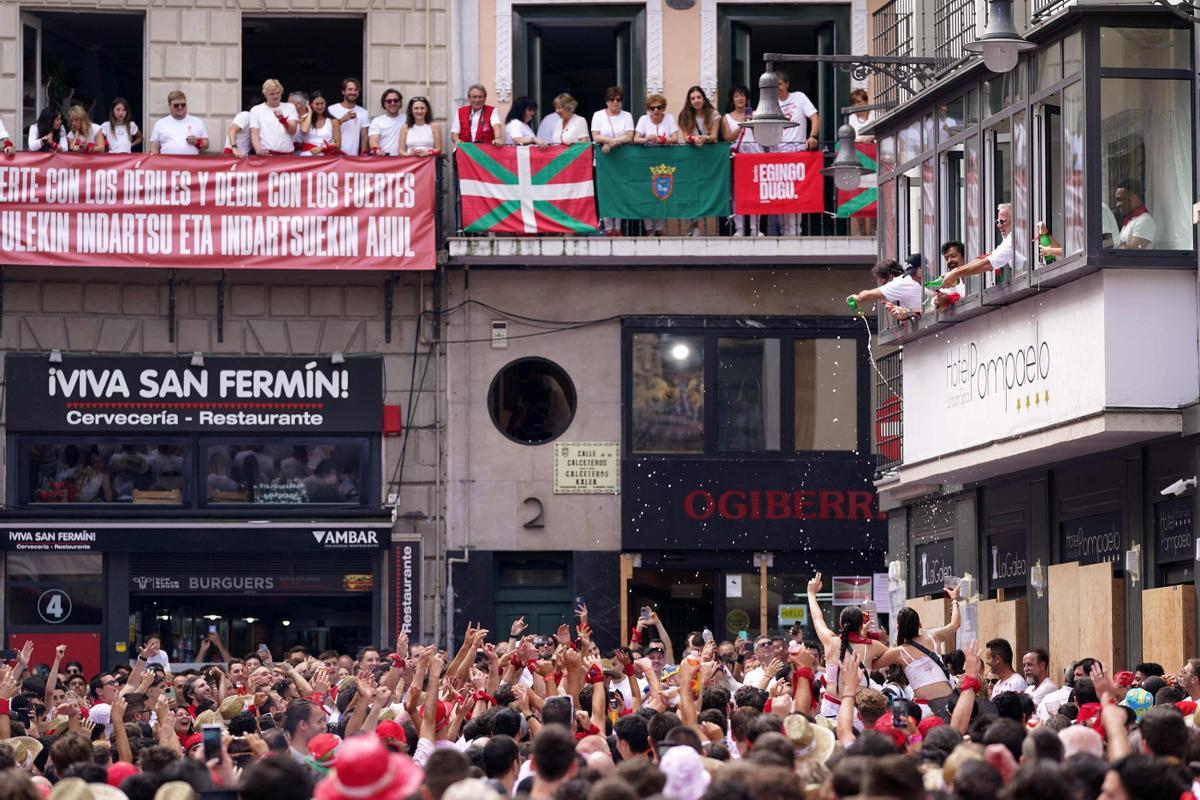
(178, 105)
(656, 108)
(658, 650)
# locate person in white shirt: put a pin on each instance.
(516, 124)
(179, 133)
(237, 138)
(895, 286)
(273, 123)
(569, 127)
(656, 127)
(472, 116)
(47, 133)
(121, 134)
(299, 101)
(383, 137)
(321, 134)
(354, 118)
(83, 136)
(611, 128)
(858, 120)
(699, 122)
(420, 135)
(1036, 666)
(741, 140)
(998, 259)
(1137, 226)
(6, 142)
(799, 109)
(999, 658)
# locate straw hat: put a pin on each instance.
(812, 742)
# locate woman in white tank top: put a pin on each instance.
(320, 134)
(848, 637)
(927, 677)
(420, 135)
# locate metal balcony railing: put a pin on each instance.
(953, 27)
(892, 27)
(889, 412)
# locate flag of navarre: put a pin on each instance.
(662, 181)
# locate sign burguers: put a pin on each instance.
(251, 584)
(217, 212)
(1175, 538)
(587, 468)
(162, 538)
(113, 395)
(743, 504)
(1093, 540)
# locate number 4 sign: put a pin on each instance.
(54, 606)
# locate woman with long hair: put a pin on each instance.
(850, 636)
(83, 136)
(916, 652)
(516, 124)
(121, 133)
(420, 136)
(320, 134)
(741, 140)
(699, 122)
(47, 132)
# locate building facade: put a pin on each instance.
(1048, 427)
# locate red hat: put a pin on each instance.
(928, 724)
(1188, 707)
(1087, 712)
(391, 731)
(323, 750)
(119, 771)
(192, 741)
(366, 770)
(442, 716)
(884, 726)
(1123, 679)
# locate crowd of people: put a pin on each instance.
(830, 711)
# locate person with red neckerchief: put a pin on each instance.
(850, 636)
(1137, 226)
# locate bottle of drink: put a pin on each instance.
(936, 283)
(707, 636)
(1044, 241)
(852, 301)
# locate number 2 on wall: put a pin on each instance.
(539, 519)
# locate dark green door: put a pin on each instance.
(536, 586)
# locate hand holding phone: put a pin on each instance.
(899, 718)
(211, 737)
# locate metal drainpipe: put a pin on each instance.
(466, 460)
(428, 47)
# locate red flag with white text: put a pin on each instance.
(778, 183)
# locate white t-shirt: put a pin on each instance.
(388, 130)
(353, 120)
(798, 108)
(743, 138)
(572, 131)
(1002, 256)
(475, 117)
(609, 126)
(272, 136)
(242, 120)
(120, 138)
(904, 291)
(667, 128)
(545, 131)
(36, 144)
(171, 135)
(1041, 691)
(1013, 683)
(1052, 702)
(1140, 227)
(516, 129)
(90, 138)
(858, 124)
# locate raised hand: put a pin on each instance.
(402, 645)
(26, 654)
(814, 586)
(772, 669)
(59, 652)
(517, 628)
(850, 674)
(644, 665)
(972, 663)
(320, 682)
(563, 634)
(150, 648)
(8, 684)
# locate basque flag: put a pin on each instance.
(526, 189)
(861, 202)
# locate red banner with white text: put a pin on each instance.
(217, 212)
(778, 183)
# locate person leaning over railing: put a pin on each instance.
(656, 127)
(612, 127)
(741, 141)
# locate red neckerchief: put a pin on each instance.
(1137, 212)
(858, 638)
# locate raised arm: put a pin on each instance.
(970, 685)
(818, 617)
(52, 679)
(664, 636)
(946, 633)
(849, 675)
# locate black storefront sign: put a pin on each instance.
(747, 504)
(933, 562)
(313, 538)
(406, 588)
(291, 584)
(1093, 540)
(1007, 560)
(132, 394)
(1173, 532)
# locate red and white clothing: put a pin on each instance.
(242, 121)
(570, 132)
(119, 138)
(83, 141)
(35, 143)
(5, 139)
(318, 140)
(354, 122)
(1013, 683)
(663, 132)
(1137, 225)
(904, 291)
(171, 135)
(388, 130)
(273, 136)
(611, 126)
(473, 119)
(798, 108)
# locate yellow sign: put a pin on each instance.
(791, 614)
(587, 468)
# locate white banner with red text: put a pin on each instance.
(217, 212)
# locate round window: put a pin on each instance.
(532, 401)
